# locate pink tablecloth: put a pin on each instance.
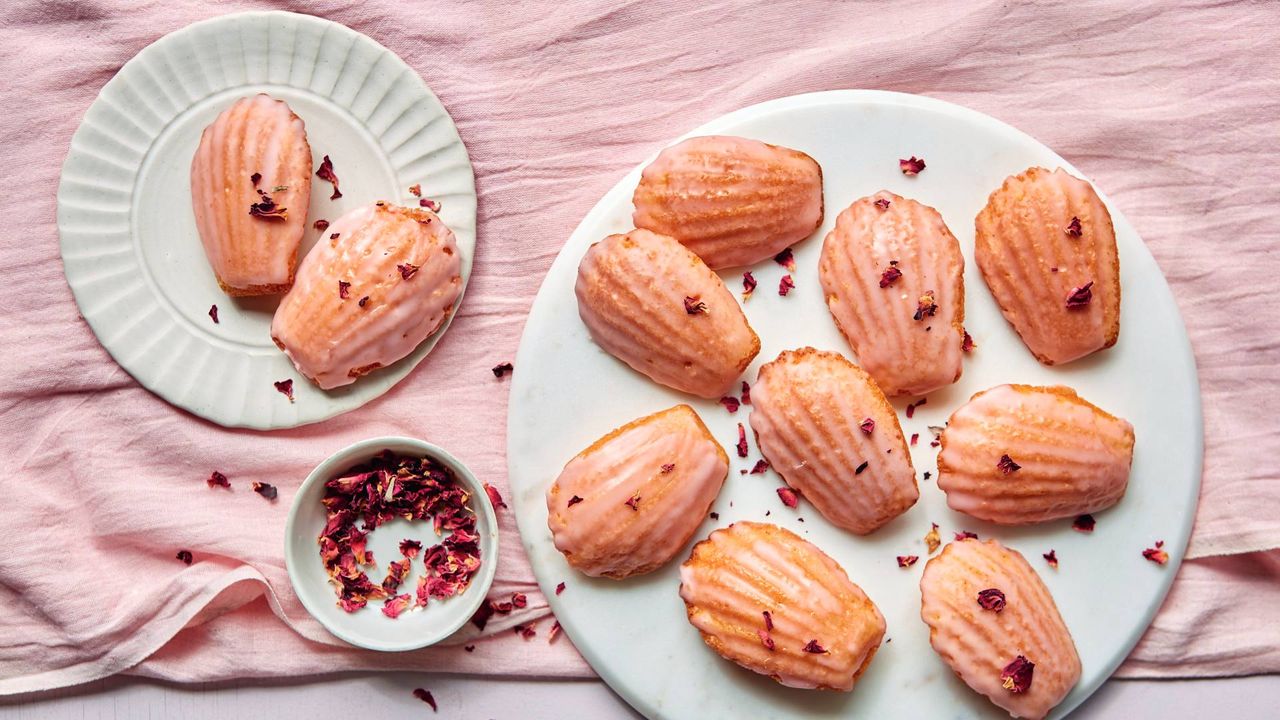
(1172, 109)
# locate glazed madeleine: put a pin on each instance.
(381, 280)
(1047, 249)
(626, 505)
(250, 186)
(732, 200)
(994, 622)
(826, 428)
(893, 278)
(1019, 454)
(654, 305)
(775, 604)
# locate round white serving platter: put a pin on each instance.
(130, 248)
(568, 392)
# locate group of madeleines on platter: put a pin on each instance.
(380, 279)
(892, 276)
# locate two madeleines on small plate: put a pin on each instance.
(892, 276)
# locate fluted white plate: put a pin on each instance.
(567, 392)
(130, 248)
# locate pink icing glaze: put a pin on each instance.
(604, 536)
(252, 255)
(333, 340)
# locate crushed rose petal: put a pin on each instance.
(469, 648)
(1007, 465)
(184, 556)
(266, 207)
(768, 620)
(482, 615)
(932, 540)
(991, 599)
(859, 470)
(1073, 228)
(505, 368)
(574, 501)
(1016, 676)
(325, 172)
(559, 588)
(966, 535)
(428, 203)
(882, 203)
(525, 631)
(694, 306)
(927, 307)
(760, 467)
(788, 496)
(786, 285)
(912, 166)
(911, 407)
(927, 474)
(748, 284)
(915, 438)
(730, 403)
(868, 426)
(1080, 296)
(396, 571)
(425, 696)
(217, 479)
(1051, 557)
(786, 259)
(519, 600)
(266, 490)
(742, 441)
(553, 632)
(321, 225)
(407, 270)
(255, 179)
(415, 190)
(813, 647)
(503, 608)
(495, 497)
(889, 277)
(766, 640)
(634, 503)
(410, 548)
(334, 236)
(1085, 523)
(668, 467)
(213, 314)
(363, 301)
(1156, 554)
(285, 387)
(396, 605)
(907, 560)
(343, 287)
(967, 345)
(746, 393)
(714, 516)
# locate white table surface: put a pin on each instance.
(388, 695)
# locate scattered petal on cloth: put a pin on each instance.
(1173, 109)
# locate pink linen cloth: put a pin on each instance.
(1173, 109)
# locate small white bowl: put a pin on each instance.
(368, 627)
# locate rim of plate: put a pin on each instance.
(1180, 355)
(102, 260)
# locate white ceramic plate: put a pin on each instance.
(368, 627)
(130, 248)
(567, 392)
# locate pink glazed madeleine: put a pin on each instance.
(654, 305)
(626, 505)
(381, 280)
(1018, 454)
(731, 200)
(250, 187)
(993, 621)
(829, 432)
(893, 278)
(774, 603)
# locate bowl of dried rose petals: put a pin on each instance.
(391, 544)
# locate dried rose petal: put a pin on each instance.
(428, 203)
(926, 307)
(911, 407)
(396, 571)
(693, 305)
(265, 490)
(267, 208)
(634, 502)
(907, 560)
(396, 605)
(967, 344)
(410, 548)
(788, 496)
(786, 285)
(321, 225)
(991, 599)
(415, 190)
(1156, 554)
(407, 270)
(217, 479)
(503, 608)
(915, 438)
(889, 277)
(559, 588)
(495, 497)
(730, 403)
(742, 441)
(667, 468)
(882, 203)
(574, 501)
(469, 648)
(786, 259)
(424, 695)
(285, 387)
(859, 470)
(1051, 557)
(716, 515)
(505, 368)
(927, 474)
(255, 179)
(185, 556)
(1007, 465)
(1016, 676)
(813, 647)
(760, 467)
(525, 631)
(482, 615)
(912, 166)
(363, 301)
(768, 620)
(766, 640)
(334, 236)
(1084, 523)
(325, 172)
(868, 426)
(1080, 296)
(746, 393)
(966, 535)
(932, 540)
(213, 314)
(553, 632)
(519, 600)
(748, 284)
(1073, 228)
(343, 287)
